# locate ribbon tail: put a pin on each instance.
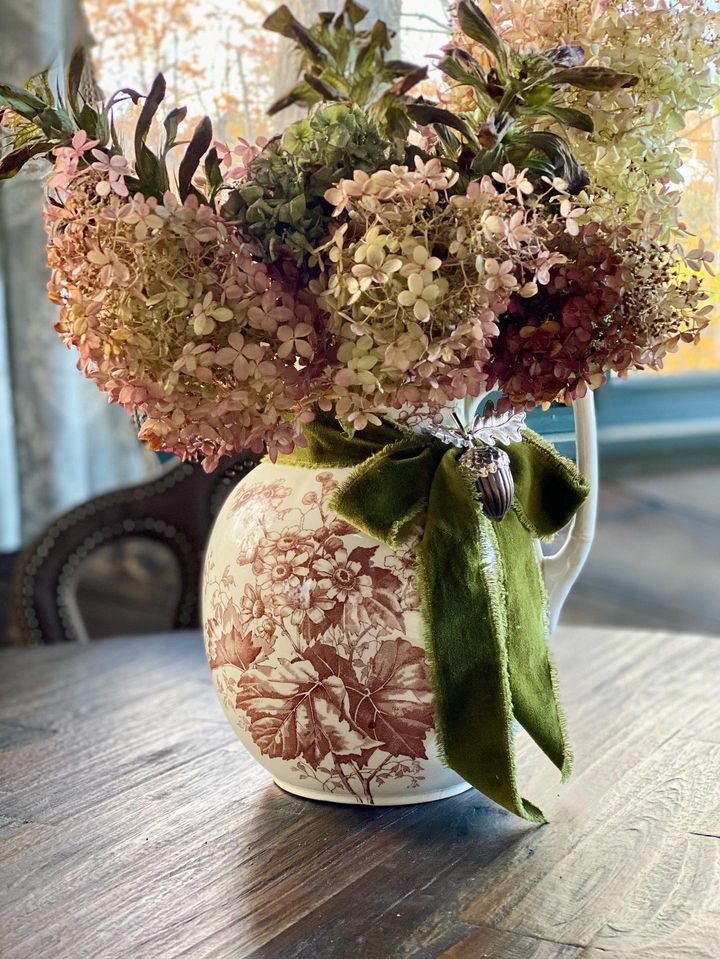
(461, 584)
(532, 676)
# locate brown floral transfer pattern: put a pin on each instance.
(305, 633)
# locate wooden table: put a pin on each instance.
(133, 824)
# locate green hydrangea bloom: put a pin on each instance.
(281, 200)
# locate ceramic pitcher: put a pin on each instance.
(314, 638)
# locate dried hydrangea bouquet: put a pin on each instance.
(345, 297)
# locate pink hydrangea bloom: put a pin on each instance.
(163, 301)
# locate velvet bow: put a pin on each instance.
(483, 603)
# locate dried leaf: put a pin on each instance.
(199, 144)
(593, 78)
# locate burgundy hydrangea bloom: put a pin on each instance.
(617, 304)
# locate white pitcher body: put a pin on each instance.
(315, 642)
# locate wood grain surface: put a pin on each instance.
(133, 824)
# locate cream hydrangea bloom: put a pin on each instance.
(413, 316)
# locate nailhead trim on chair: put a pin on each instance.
(212, 490)
(108, 533)
(51, 535)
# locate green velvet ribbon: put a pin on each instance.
(483, 602)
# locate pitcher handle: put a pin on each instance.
(561, 569)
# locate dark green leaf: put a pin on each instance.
(427, 114)
(379, 39)
(102, 127)
(539, 165)
(13, 162)
(283, 22)
(301, 93)
(19, 108)
(452, 67)
(213, 172)
(150, 108)
(74, 78)
(171, 123)
(151, 173)
(394, 69)
(462, 68)
(488, 160)
(88, 121)
(115, 140)
(567, 116)
(326, 91)
(55, 123)
(354, 12)
(593, 78)
(22, 95)
(476, 25)
(201, 139)
(558, 151)
(451, 142)
(401, 86)
(133, 185)
(66, 120)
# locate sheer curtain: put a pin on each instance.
(60, 443)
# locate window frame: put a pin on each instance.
(644, 422)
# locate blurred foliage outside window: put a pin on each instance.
(701, 212)
(218, 61)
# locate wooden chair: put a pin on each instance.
(175, 509)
